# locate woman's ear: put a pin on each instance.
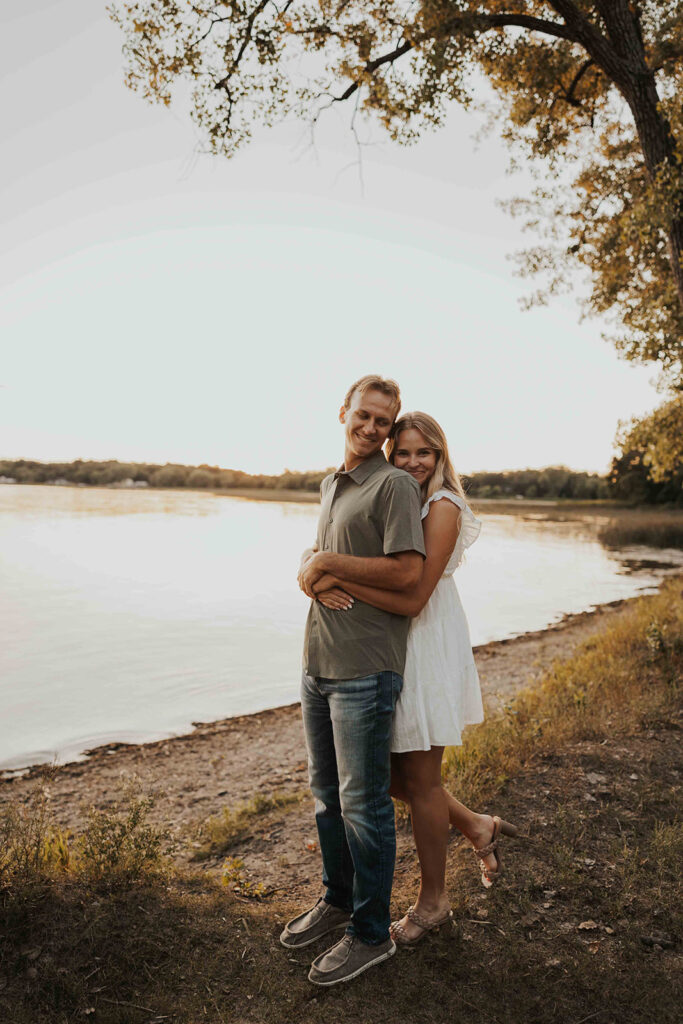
(342, 414)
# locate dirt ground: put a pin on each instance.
(227, 763)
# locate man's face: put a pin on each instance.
(367, 423)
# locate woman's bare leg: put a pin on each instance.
(420, 786)
(477, 828)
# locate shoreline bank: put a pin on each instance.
(231, 761)
(488, 654)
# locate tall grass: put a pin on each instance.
(219, 833)
(116, 849)
(616, 679)
(33, 850)
(654, 529)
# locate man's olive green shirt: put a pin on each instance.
(371, 511)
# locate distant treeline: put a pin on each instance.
(129, 474)
(628, 479)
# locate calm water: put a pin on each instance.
(128, 615)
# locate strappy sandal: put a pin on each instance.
(398, 932)
(489, 875)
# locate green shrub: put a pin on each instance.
(120, 847)
(32, 849)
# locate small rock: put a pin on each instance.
(546, 906)
(588, 926)
(634, 777)
(589, 798)
(589, 862)
(595, 778)
(482, 912)
(550, 893)
(610, 931)
(660, 939)
(311, 844)
(594, 947)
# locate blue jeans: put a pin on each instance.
(348, 735)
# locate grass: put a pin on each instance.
(221, 832)
(617, 677)
(584, 925)
(654, 529)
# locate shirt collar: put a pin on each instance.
(360, 473)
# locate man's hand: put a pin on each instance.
(309, 573)
(306, 556)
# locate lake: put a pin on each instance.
(129, 615)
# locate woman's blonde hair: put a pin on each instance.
(444, 474)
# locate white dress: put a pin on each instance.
(441, 693)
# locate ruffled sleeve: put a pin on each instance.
(470, 526)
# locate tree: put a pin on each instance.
(658, 440)
(564, 71)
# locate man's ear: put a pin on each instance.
(342, 414)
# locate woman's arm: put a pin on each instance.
(441, 529)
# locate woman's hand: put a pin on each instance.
(326, 582)
(336, 599)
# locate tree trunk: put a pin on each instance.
(658, 147)
(629, 70)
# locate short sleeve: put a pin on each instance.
(470, 526)
(402, 522)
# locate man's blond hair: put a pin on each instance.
(372, 382)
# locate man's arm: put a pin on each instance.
(441, 528)
(389, 572)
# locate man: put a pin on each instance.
(369, 531)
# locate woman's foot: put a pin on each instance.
(482, 837)
(420, 919)
(485, 853)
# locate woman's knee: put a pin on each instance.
(421, 785)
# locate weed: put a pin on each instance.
(221, 832)
(121, 846)
(233, 876)
(32, 849)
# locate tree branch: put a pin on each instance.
(485, 22)
(260, 7)
(569, 95)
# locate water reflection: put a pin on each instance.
(131, 614)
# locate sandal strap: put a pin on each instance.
(399, 930)
(422, 922)
(484, 851)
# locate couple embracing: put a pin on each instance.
(389, 681)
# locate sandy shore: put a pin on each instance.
(226, 762)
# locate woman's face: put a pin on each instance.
(413, 454)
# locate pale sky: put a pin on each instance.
(160, 305)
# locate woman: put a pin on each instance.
(441, 691)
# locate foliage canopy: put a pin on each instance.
(593, 85)
(657, 440)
